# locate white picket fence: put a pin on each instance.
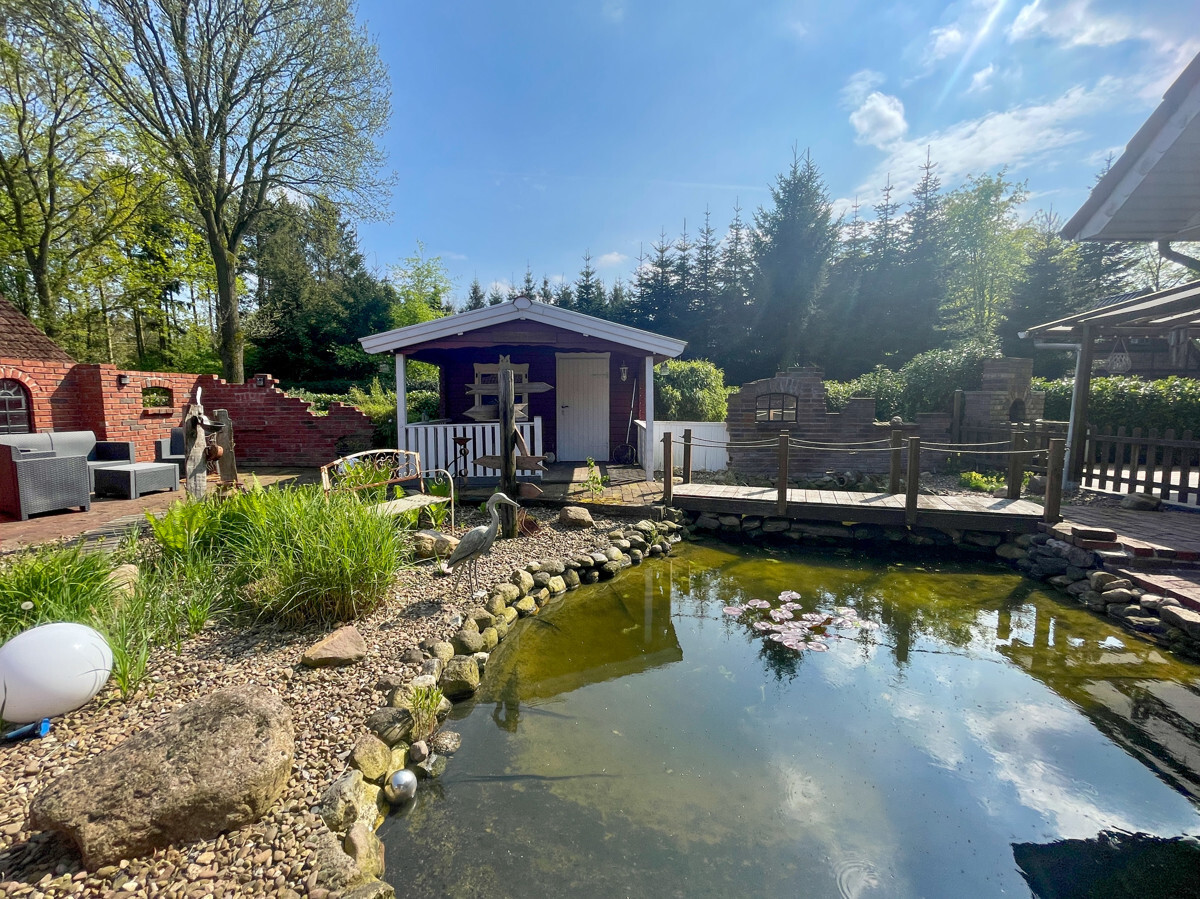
(704, 457)
(435, 443)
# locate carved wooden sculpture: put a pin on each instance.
(196, 428)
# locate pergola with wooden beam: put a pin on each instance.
(1172, 313)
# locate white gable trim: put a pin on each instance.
(522, 309)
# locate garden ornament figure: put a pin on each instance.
(476, 542)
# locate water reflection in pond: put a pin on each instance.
(635, 740)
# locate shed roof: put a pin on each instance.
(1151, 314)
(516, 310)
(1152, 192)
(22, 339)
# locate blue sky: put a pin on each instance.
(527, 133)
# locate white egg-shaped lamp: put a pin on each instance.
(50, 670)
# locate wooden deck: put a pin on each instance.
(975, 512)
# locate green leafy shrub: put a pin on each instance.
(690, 391)
(1130, 402)
(926, 383)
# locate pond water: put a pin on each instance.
(638, 740)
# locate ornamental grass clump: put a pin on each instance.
(53, 583)
(316, 558)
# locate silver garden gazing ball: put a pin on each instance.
(401, 786)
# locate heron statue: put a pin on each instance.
(476, 542)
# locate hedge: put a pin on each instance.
(1129, 402)
(926, 383)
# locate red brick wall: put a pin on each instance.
(269, 427)
(854, 425)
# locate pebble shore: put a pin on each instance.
(277, 856)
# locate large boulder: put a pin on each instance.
(343, 647)
(1141, 502)
(429, 544)
(575, 517)
(461, 677)
(215, 764)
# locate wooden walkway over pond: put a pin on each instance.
(895, 508)
(967, 512)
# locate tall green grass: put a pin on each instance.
(312, 558)
(291, 555)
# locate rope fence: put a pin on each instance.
(1018, 457)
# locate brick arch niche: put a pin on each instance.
(16, 407)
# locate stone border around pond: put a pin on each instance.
(354, 806)
(1070, 567)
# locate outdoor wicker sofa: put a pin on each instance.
(172, 449)
(54, 469)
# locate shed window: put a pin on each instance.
(14, 407)
(775, 407)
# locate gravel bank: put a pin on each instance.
(275, 856)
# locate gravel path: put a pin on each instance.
(274, 856)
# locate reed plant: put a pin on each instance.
(317, 558)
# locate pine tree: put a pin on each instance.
(923, 279)
(476, 298)
(655, 288)
(1045, 289)
(734, 302)
(705, 293)
(793, 243)
(496, 296)
(833, 326)
(589, 290)
(529, 286)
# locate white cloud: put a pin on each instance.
(982, 80)
(1015, 138)
(608, 260)
(797, 28)
(613, 11)
(859, 85)
(945, 41)
(879, 120)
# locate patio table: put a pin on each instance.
(131, 481)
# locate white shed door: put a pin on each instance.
(582, 394)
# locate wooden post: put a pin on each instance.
(648, 393)
(782, 485)
(1080, 394)
(401, 403)
(1016, 463)
(914, 477)
(687, 455)
(1054, 480)
(508, 451)
(668, 469)
(227, 464)
(894, 468)
(956, 417)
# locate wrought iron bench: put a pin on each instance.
(389, 468)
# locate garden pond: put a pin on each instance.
(742, 721)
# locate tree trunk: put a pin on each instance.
(229, 325)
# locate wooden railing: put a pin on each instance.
(455, 447)
(1133, 463)
(1019, 454)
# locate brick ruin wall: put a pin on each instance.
(856, 424)
(269, 427)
